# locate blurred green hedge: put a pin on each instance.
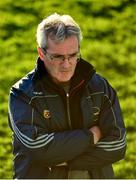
(109, 43)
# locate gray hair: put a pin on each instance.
(58, 28)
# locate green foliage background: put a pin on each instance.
(109, 29)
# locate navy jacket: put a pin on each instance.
(51, 127)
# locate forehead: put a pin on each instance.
(69, 45)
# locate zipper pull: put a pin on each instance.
(68, 111)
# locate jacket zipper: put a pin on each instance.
(68, 111)
(67, 100)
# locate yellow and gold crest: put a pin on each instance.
(46, 114)
(96, 111)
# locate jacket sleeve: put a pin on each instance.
(112, 146)
(51, 148)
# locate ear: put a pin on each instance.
(41, 55)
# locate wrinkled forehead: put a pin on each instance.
(65, 46)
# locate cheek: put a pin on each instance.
(73, 68)
(52, 69)
(49, 66)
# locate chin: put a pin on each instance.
(64, 80)
(61, 80)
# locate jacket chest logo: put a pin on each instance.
(96, 112)
(46, 113)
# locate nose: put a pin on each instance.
(66, 62)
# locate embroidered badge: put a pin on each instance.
(46, 114)
(96, 111)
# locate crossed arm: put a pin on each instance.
(95, 130)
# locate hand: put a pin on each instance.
(96, 133)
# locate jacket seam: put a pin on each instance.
(46, 96)
(114, 116)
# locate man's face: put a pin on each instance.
(61, 70)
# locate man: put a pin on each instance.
(65, 118)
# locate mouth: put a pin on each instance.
(65, 71)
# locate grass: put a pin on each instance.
(108, 28)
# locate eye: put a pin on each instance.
(58, 57)
(74, 54)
